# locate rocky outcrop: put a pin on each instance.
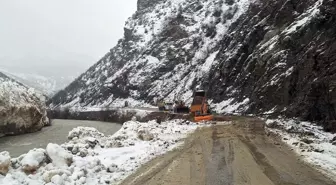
(253, 57)
(22, 110)
(144, 4)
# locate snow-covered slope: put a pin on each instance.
(48, 85)
(252, 56)
(22, 109)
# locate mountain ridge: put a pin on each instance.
(253, 57)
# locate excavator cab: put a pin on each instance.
(199, 108)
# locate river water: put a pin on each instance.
(57, 133)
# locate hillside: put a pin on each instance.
(22, 110)
(274, 57)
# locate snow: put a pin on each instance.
(33, 159)
(228, 107)
(305, 18)
(208, 63)
(109, 159)
(5, 162)
(59, 157)
(319, 151)
(4, 156)
(14, 94)
(144, 69)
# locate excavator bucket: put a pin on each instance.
(182, 110)
(203, 118)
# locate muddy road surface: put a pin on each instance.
(236, 154)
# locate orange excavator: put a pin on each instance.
(200, 108)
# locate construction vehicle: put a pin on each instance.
(161, 105)
(199, 108)
(169, 106)
(180, 107)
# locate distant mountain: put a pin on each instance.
(48, 85)
(22, 109)
(253, 57)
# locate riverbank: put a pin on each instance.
(121, 115)
(57, 133)
(92, 158)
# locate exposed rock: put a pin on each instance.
(5, 162)
(272, 124)
(22, 110)
(307, 141)
(295, 143)
(292, 129)
(333, 140)
(318, 150)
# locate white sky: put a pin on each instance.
(60, 32)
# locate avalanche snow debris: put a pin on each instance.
(59, 157)
(110, 160)
(5, 162)
(308, 140)
(32, 160)
(228, 107)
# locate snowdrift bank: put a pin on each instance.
(92, 158)
(308, 140)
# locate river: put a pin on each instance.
(57, 133)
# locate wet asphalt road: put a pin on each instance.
(57, 133)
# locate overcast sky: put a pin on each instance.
(39, 33)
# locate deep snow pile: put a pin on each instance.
(310, 141)
(92, 158)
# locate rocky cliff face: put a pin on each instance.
(22, 110)
(272, 57)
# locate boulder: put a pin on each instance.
(5, 162)
(59, 156)
(22, 109)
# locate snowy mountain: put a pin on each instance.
(22, 109)
(46, 85)
(252, 56)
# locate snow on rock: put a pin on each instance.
(110, 161)
(308, 140)
(22, 109)
(59, 156)
(5, 162)
(33, 160)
